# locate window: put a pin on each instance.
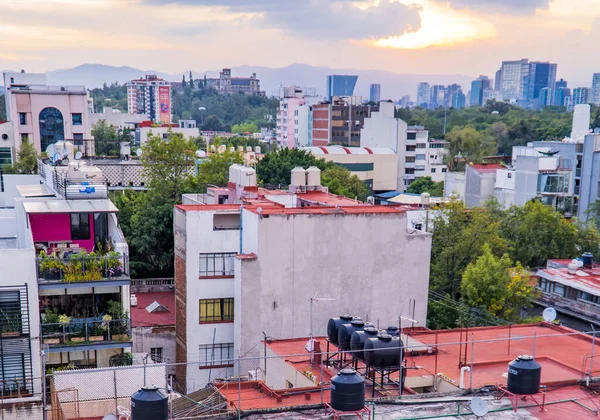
(156, 354)
(409, 171)
(411, 136)
(52, 127)
(410, 148)
(559, 289)
(22, 118)
(78, 139)
(80, 226)
(212, 310)
(420, 157)
(421, 145)
(410, 159)
(25, 138)
(444, 170)
(432, 170)
(216, 355)
(5, 156)
(77, 119)
(216, 265)
(509, 175)
(418, 226)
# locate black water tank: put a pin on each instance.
(524, 375)
(149, 403)
(393, 330)
(382, 351)
(334, 324)
(345, 332)
(587, 259)
(348, 391)
(358, 338)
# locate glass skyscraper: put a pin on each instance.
(338, 85)
(375, 92)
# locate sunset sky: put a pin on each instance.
(470, 37)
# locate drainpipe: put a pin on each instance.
(462, 376)
(241, 227)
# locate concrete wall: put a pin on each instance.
(146, 338)
(385, 168)
(7, 197)
(590, 176)
(526, 179)
(454, 184)
(366, 262)
(478, 186)
(144, 132)
(120, 120)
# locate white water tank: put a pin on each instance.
(298, 177)
(248, 149)
(133, 300)
(232, 149)
(313, 177)
(425, 198)
(247, 176)
(240, 149)
(257, 150)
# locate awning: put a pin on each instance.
(38, 190)
(70, 206)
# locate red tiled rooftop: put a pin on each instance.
(325, 210)
(140, 317)
(487, 168)
(587, 278)
(207, 207)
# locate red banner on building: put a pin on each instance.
(164, 100)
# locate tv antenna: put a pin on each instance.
(479, 407)
(315, 299)
(549, 314)
(138, 152)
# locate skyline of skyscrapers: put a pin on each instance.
(375, 92)
(477, 88)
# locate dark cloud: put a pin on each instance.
(500, 6)
(333, 19)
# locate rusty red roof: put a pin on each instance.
(140, 317)
(487, 168)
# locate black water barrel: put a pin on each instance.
(348, 391)
(587, 259)
(393, 330)
(149, 403)
(382, 351)
(358, 338)
(334, 324)
(345, 332)
(524, 375)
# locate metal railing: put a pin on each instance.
(86, 331)
(81, 268)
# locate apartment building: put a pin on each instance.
(250, 266)
(43, 114)
(151, 96)
(292, 116)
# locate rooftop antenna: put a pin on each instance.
(479, 407)
(549, 314)
(315, 299)
(138, 152)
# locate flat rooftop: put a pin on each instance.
(140, 317)
(585, 279)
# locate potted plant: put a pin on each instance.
(119, 328)
(11, 323)
(77, 333)
(93, 266)
(50, 266)
(113, 263)
(96, 332)
(50, 327)
(73, 270)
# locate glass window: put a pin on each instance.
(212, 310)
(409, 171)
(25, 138)
(432, 170)
(410, 148)
(410, 159)
(421, 145)
(444, 170)
(559, 289)
(80, 226)
(52, 127)
(216, 354)
(5, 156)
(219, 264)
(77, 119)
(411, 136)
(22, 118)
(78, 139)
(551, 183)
(156, 354)
(420, 157)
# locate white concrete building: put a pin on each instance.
(143, 131)
(118, 119)
(292, 126)
(252, 266)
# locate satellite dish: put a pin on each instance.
(597, 130)
(479, 407)
(78, 155)
(110, 417)
(549, 314)
(57, 156)
(259, 210)
(138, 152)
(200, 153)
(51, 150)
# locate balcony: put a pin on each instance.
(89, 270)
(86, 333)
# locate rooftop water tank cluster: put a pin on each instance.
(378, 349)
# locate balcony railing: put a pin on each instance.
(82, 267)
(86, 331)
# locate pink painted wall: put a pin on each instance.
(57, 227)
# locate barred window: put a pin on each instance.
(156, 354)
(220, 264)
(216, 355)
(212, 310)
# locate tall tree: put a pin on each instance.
(169, 165)
(105, 138)
(426, 184)
(215, 169)
(183, 82)
(492, 284)
(275, 168)
(191, 80)
(26, 163)
(340, 181)
(470, 144)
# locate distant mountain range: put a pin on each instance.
(393, 85)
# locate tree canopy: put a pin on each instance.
(215, 169)
(244, 128)
(275, 168)
(426, 184)
(27, 158)
(340, 181)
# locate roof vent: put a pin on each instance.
(155, 307)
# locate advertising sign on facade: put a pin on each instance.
(164, 100)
